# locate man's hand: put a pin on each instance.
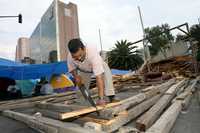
(78, 80)
(101, 102)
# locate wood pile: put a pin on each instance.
(180, 65)
(154, 109)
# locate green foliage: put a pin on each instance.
(195, 33)
(158, 42)
(124, 56)
(198, 55)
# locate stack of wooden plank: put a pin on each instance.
(152, 109)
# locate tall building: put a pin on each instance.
(22, 49)
(58, 25)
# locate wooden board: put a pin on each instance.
(125, 116)
(134, 100)
(45, 124)
(147, 119)
(85, 111)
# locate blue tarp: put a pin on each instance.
(19, 71)
(119, 72)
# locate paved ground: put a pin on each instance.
(189, 121)
(11, 126)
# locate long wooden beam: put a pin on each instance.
(85, 111)
(167, 120)
(125, 116)
(38, 98)
(59, 107)
(147, 119)
(134, 100)
(45, 124)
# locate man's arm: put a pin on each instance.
(74, 73)
(100, 85)
(76, 77)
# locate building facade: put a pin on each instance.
(58, 25)
(22, 49)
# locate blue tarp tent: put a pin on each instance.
(19, 71)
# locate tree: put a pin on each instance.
(195, 33)
(158, 42)
(124, 56)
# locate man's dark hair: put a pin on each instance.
(75, 44)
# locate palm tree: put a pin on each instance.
(124, 56)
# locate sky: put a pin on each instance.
(116, 19)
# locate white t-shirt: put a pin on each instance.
(46, 89)
(93, 62)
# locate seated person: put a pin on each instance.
(14, 92)
(46, 88)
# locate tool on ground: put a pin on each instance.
(88, 97)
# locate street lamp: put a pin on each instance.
(18, 16)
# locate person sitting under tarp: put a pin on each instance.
(42, 87)
(46, 88)
(14, 92)
(4, 83)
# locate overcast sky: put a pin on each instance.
(117, 19)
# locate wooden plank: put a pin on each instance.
(148, 89)
(165, 86)
(17, 106)
(124, 104)
(126, 116)
(64, 98)
(167, 120)
(128, 129)
(48, 113)
(85, 111)
(174, 88)
(132, 101)
(187, 90)
(43, 123)
(186, 102)
(147, 119)
(54, 110)
(38, 98)
(59, 107)
(21, 105)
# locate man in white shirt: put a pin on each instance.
(83, 62)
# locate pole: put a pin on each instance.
(100, 40)
(146, 50)
(19, 17)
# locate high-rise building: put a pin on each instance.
(22, 49)
(58, 25)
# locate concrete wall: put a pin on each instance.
(176, 49)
